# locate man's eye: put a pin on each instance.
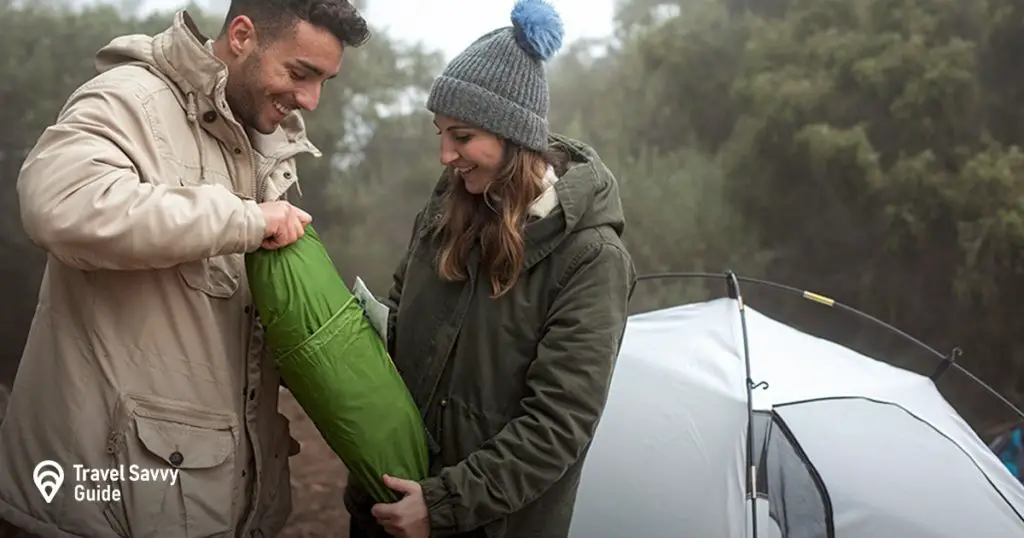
(296, 76)
(462, 139)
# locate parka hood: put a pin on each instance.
(588, 193)
(179, 53)
(588, 197)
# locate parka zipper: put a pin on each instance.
(260, 188)
(257, 187)
(446, 356)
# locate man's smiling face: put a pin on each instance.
(270, 78)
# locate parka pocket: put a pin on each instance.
(179, 468)
(463, 429)
(217, 277)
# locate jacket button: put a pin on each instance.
(176, 458)
(444, 402)
(210, 116)
(252, 394)
(248, 309)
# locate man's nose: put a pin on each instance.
(308, 98)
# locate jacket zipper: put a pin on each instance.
(257, 184)
(260, 182)
(451, 345)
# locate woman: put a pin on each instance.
(509, 306)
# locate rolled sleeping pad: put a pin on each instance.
(336, 364)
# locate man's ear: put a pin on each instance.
(241, 36)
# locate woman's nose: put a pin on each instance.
(448, 155)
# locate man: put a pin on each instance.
(145, 357)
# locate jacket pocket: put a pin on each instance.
(462, 428)
(178, 464)
(217, 277)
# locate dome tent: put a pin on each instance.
(844, 446)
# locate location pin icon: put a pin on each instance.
(48, 477)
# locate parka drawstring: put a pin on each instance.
(192, 113)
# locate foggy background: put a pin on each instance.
(862, 149)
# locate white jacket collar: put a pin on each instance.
(544, 204)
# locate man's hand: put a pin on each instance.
(407, 518)
(285, 224)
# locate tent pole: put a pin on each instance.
(947, 361)
(733, 286)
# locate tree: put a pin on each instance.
(864, 156)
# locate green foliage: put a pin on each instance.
(868, 153)
(865, 149)
(679, 220)
(646, 115)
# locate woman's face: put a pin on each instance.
(476, 154)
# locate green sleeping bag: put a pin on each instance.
(336, 364)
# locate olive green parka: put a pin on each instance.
(512, 388)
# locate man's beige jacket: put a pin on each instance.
(144, 353)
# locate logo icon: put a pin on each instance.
(48, 477)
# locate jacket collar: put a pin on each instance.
(544, 204)
(182, 53)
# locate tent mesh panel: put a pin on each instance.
(798, 502)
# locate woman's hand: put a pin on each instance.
(407, 518)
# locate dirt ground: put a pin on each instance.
(318, 479)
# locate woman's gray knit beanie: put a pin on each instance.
(498, 83)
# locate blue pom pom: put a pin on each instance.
(538, 28)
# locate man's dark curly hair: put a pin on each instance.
(273, 17)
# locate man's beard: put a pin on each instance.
(242, 90)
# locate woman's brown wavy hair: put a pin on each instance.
(495, 219)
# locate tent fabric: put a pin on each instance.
(798, 503)
(920, 483)
(668, 457)
(336, 365)
(852, 447)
